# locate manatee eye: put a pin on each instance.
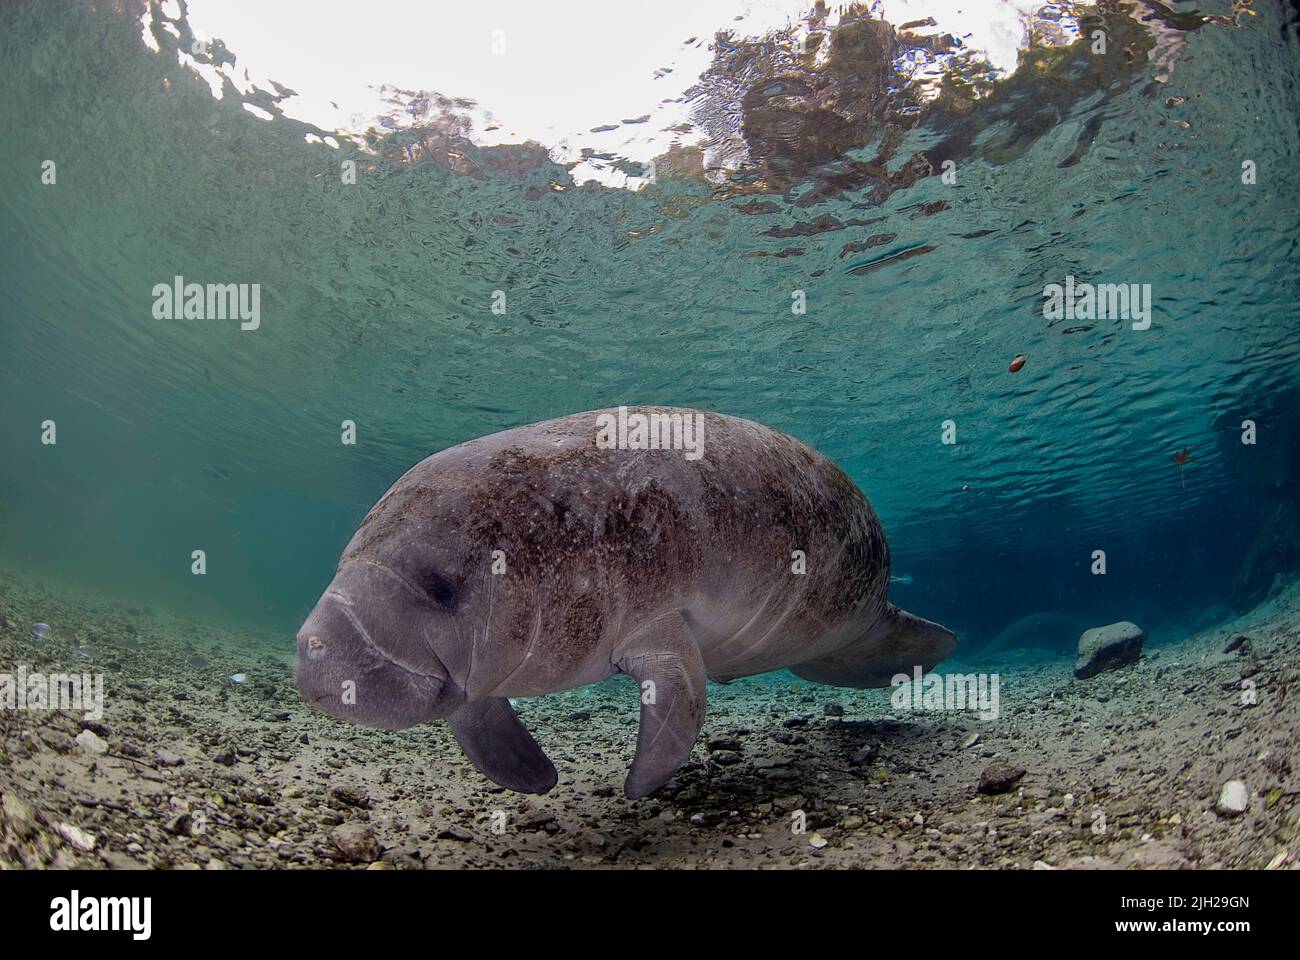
(440, 591)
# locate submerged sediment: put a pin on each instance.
(189, 768)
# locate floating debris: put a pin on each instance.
(238, 678)
(1017, 363)
(39, 630)
(85, 651)
(905, 579)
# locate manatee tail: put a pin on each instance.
(896, 643)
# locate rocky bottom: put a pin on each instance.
(1183, 759)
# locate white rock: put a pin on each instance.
(1234, 799)
(89, 742)
(76, 836)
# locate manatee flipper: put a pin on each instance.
(896, 643)
(665, 661)
(494, 739)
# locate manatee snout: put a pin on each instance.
(355, 662)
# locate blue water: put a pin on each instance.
(376, 307)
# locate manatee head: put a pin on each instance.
(389, 642)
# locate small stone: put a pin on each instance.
(179, 826)
(833, 710)
(866, 753)
(1234, 799)
(166, 758)
(356, 842)
(726, 758)
(77, 837)
(57, 740)
(1235, 643)
(19, 815)
(350, 797)
(451, 833)
(89, 742)
(817, 841)
(970, 741)
(999, 777)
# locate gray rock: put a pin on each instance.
(19, 815)
(167, 758)
(356, 842)
(1108, 648)
(999, 778)
(1238, 642)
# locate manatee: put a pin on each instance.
(667, 544)
(1044, 630)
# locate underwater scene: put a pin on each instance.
(712, 434)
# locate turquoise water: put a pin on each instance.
(376, 306)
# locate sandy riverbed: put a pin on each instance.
(187, 770)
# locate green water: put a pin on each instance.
(376, 307)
